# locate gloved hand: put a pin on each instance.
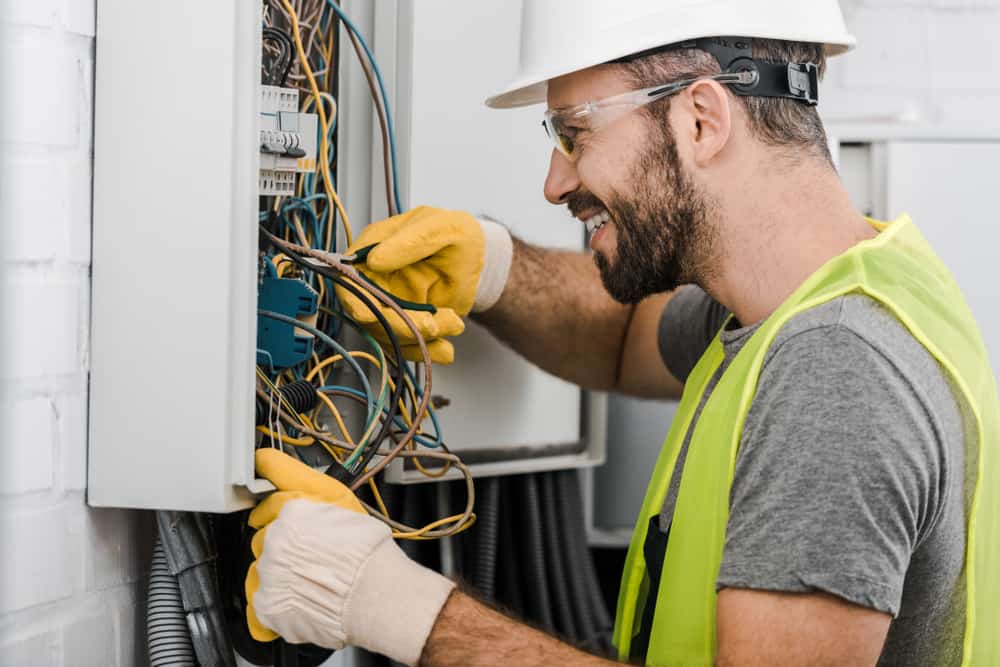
(429, 255)
(328, 574)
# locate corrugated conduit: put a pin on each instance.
(166, 626)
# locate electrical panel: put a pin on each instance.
(187, 311)
(287, 140)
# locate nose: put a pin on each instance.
(562, 179)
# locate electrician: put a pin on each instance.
(828, 491)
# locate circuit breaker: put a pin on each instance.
(287, 140)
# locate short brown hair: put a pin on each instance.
(779, 122)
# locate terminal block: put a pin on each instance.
(287, 140)
(281, 344)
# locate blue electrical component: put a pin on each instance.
(278, 343)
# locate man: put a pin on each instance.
(827, 494)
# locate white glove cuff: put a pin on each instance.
(394, 604)
(496, 265)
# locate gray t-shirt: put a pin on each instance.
(849, 478)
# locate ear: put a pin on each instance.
(712, 116)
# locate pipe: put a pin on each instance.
(573, 503)
(166, 629)
(488, 520)
(190, 557)
(509, 571)
(571, 554)
(540, 607)
(557, 563)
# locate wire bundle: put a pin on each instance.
(300, 236)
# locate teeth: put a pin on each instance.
(595, 222)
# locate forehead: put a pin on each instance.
(589, 84)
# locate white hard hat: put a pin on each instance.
(563, 36)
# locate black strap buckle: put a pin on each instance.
(796, 81)
(803, 81)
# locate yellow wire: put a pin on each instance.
(418, 534)
(324, 124)
(336, 416)
(378, 498)
(287, 439)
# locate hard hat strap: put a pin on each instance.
(796, 81)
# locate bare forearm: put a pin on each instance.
(470, 634)
(556, 313)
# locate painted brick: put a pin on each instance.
(79, 177)
(28, 433)
(119, 546)
(41, 325)
(131, 629)
(79, 17)
(42, 650)
(26, 199)
(71, 413)
(893, 50)
(89, 642)
(41, 77)
(40, 558)
(44, 13)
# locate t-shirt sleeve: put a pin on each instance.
(688, 324)
(837, 476)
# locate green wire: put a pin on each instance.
(380, 404)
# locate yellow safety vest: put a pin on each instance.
(899, 270)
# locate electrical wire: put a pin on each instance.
(399, 407)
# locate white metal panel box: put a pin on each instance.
(175, 234)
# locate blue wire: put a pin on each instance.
(385, 99)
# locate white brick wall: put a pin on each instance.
(71, 578)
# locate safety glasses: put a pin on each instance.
(567, 127)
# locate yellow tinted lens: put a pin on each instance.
(562, 139)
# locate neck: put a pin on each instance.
(776, 231)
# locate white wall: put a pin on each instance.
(932, 62)
(70, 577)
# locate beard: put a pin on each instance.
(665, 232)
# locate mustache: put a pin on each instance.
(583, 201)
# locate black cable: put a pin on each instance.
(570, 527)
(509, 580)
(400, 380)
(339, 472)
(488, 518)
(539, 605)
(573, 499)
(555, 564)
(285, 59)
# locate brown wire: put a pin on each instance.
(446, 457)
(349, 272)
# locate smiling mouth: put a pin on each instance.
(597, 221)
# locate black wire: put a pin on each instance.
(338, 471)
(397, 393)
(285, 59)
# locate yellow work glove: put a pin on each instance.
(447, 259)
(328, 574)
(293, 480)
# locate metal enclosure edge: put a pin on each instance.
(173, 325)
